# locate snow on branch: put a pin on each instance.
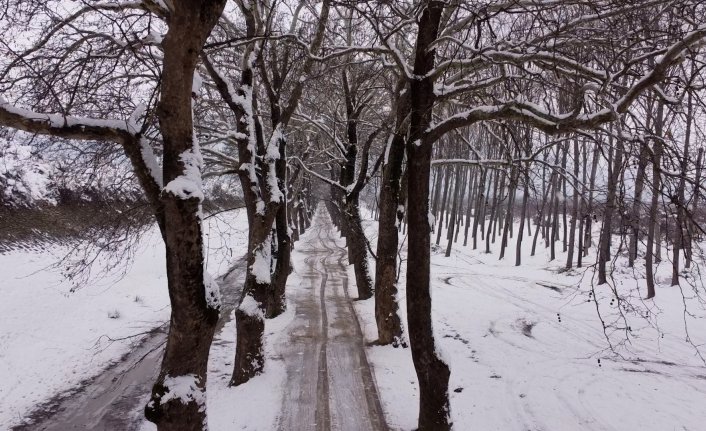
(322, 127)
(125, 133)
(317, 175)
(63, 126)
(544, 59)
(551, 123)
(155, 7)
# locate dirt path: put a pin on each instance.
(114, 399)
(329, 382)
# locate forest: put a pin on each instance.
(364, 215)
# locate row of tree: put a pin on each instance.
(509, 100)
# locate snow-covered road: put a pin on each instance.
(329, 382)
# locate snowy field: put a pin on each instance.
(527, 350)
(525, 344)
(52, 337)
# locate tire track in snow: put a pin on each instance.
(346, 396)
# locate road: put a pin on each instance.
(329, 382)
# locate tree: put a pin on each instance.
(175, 194)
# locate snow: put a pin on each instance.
(388, 146)
(271, 157)
(47, 345)
(153, 38)
(260, 267)
(213, 292)
(254, 405)
(251, 307)
(53, 336)
(59, 120)
(183, 388)
(150, 159)
(25, 178)
(526, 347)
(189, 184)
(132, 122)
(196, 83)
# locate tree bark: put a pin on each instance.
(391, 213)
(276, 301)
(448, 177)
(511, 191)
(582, 211)
(454, 210)
(194, 313)
(575, 209)
(681, 230)
(520, 231)
(496, 180)
(635, 215)
(588, 236)
(611, 204)
(473, 190)
(432, 372)
(653, 227)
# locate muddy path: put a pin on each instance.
(330, 385)
(113, 400)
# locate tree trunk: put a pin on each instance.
(540, 216)
(553, 231)
(520, 231)
(440, 221)
(471, 208)
(496, 180)
(653, 228)
(681, 230)
(358, 248)
(575, 208)
(511, 191)
(635, 216)
(582, 211)
(611, 204)
(461, 195)
(438, 181)
(432, 372)
(391, 214)
(276, 301)
(564, 200)
(589, 212)
(697, 193)
(478, 210)
(458, 190)
(194, 305)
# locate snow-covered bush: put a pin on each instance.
(25, 177)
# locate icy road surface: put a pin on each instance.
(329, 382)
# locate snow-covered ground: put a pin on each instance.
(525, 344)
(527, 350)
(53, 337)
